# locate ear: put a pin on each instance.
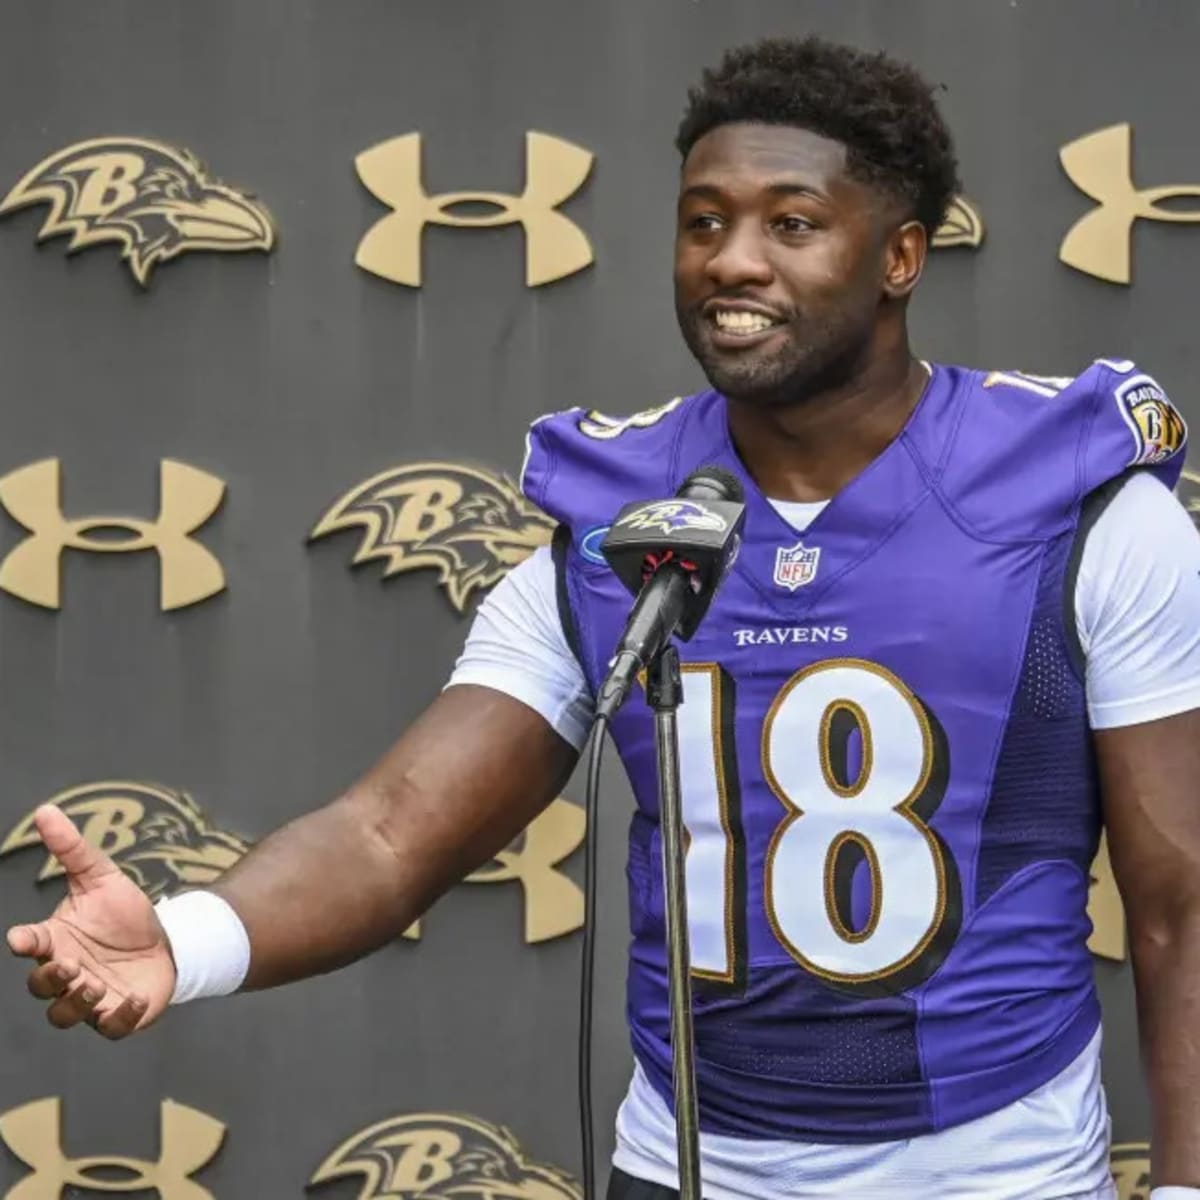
(904, 259)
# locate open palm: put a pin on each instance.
(103, 957)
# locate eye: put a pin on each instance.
(704, 222)
(794, 224)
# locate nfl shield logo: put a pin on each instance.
(796, 566)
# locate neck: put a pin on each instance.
(811, 448)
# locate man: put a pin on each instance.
(964, 617)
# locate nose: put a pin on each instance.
(740, 258)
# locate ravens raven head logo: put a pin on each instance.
(155, 201)
(961, 226)
(472, 525)
(159, 838)
(1130, 1162)
(442, 1156)
(668, 516)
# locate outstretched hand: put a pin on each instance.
(103, 957)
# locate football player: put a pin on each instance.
(963, 631)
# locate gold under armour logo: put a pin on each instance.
(1130, 1164)
(188, 571)
(1100, 165)
(1188, 491)
(188, 1140)
(1105, 909)
(553, 902)
(554, 245)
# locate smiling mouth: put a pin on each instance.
(739, 327)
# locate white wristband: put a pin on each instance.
(1175, 1193)
(209, 943)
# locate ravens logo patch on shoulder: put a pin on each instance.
(470, 524)
(157, 836)
(154, 200)
(442, 1156)
(1158, 428)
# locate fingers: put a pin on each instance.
(31, 941)
(52, 979)
(75, 1005)
(81, 861)
(80, 998)
(123, 1020)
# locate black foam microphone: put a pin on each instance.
(672, 555)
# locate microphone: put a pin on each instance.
(672, 555)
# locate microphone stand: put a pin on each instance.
(664, 693)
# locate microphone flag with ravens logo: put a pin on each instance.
(158, 837)
(442, 1156)
(155, 201)
(470, 524)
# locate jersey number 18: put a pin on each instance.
(846, 813)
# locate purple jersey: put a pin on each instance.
(888, 780)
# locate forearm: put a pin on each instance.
(334, 885)
(1166, 953)
(318, 893)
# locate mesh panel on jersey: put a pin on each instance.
(1043, 802)
(810, 1032)
(851, 1050)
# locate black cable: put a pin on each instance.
(592, 810)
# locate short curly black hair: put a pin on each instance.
(880, 109)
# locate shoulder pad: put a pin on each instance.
(1030, 447)
(581, 467)
(1136, 426)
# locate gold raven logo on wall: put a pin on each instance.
(961, 226)
(470, 524)
(158, 837)
(156, 201)
(442, 1156)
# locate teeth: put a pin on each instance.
(742, 322)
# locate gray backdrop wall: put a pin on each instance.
(296, 375)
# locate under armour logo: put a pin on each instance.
(1100, 165)
(1105, 909)
(188, 1139)
(554, 245)
(1188, 490)
(189, 572)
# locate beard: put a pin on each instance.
(784, 369)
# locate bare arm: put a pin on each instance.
(335, 884)
(1149, 778)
